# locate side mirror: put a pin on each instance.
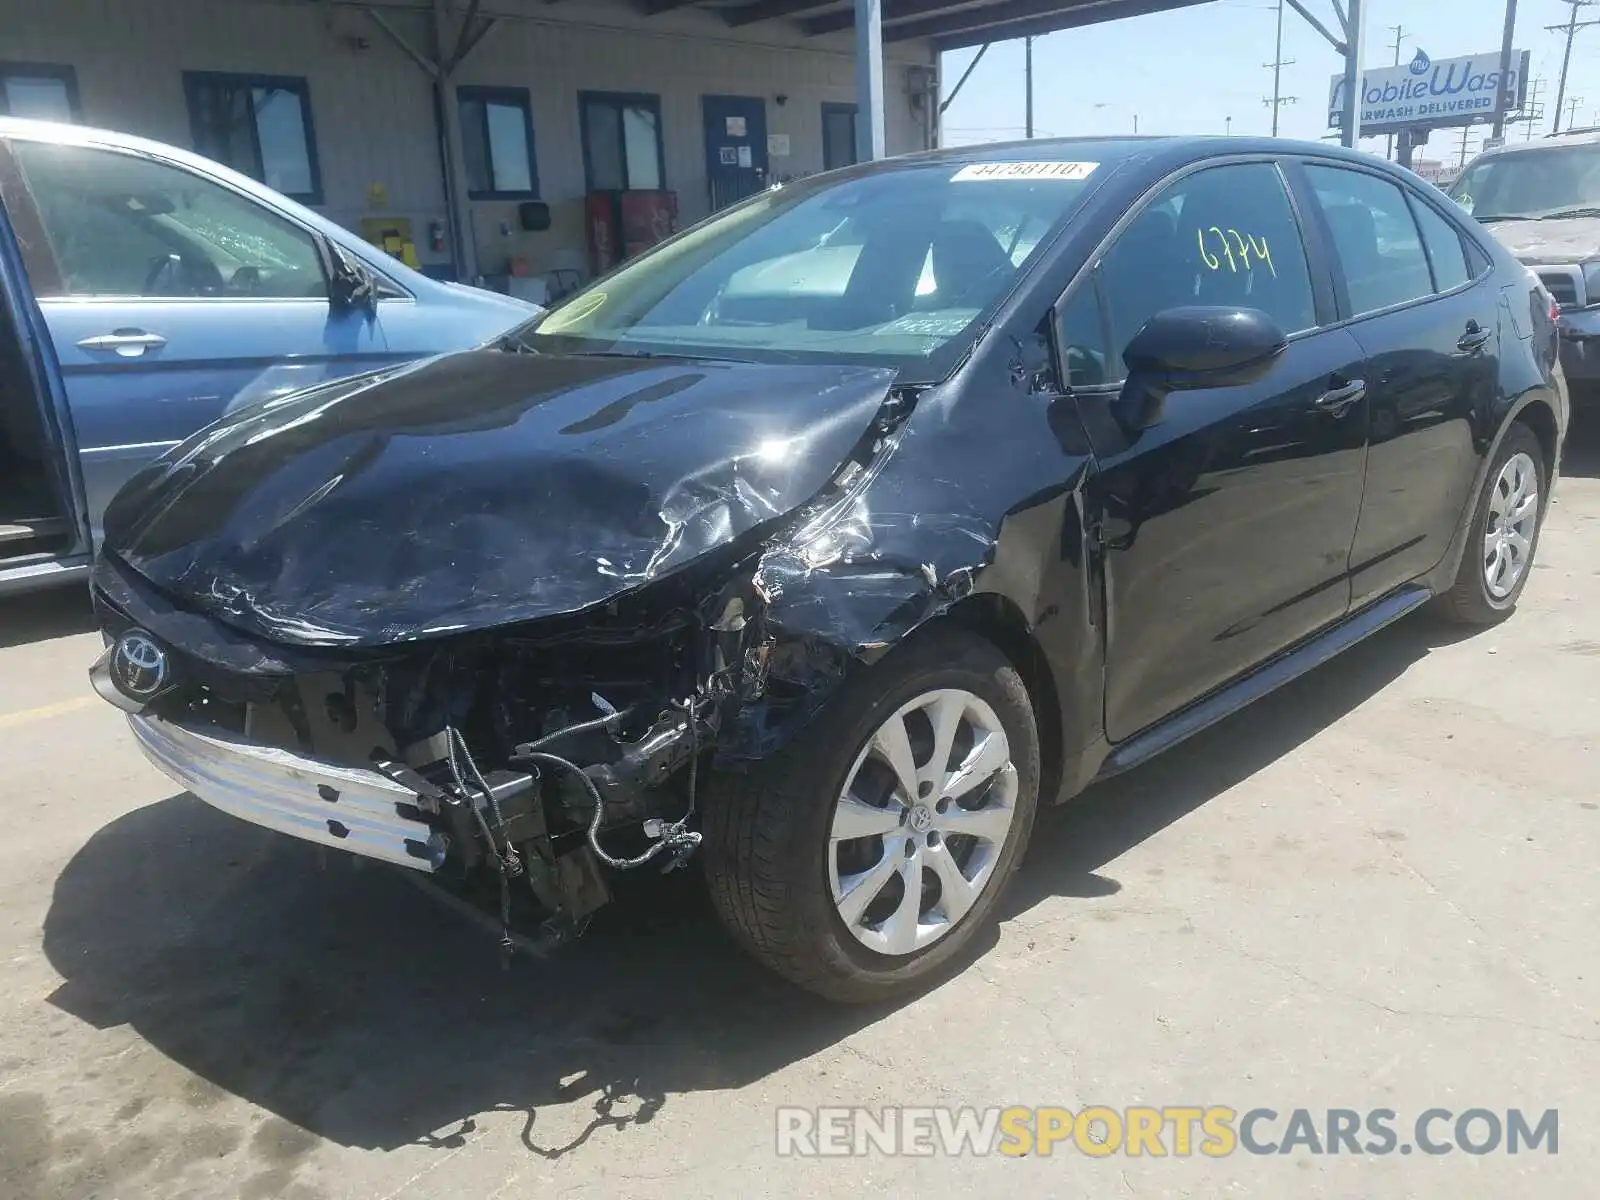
(1195, 347)
(351, 287)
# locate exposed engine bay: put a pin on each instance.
(543, 760)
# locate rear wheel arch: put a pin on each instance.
(1539, 417)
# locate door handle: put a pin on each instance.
(1474, 339)
(1340, 399)
(128, 343)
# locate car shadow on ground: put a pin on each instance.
(42, 616)
(351, 1004)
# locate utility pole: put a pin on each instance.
(1534, 111)
(1572, 110)
(1352, 18)
(1571, 30)
(1504, 100)
(1465, 130)
(1399, 33)
(1027, 74)
(1276, 67)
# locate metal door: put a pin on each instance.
(736, 147)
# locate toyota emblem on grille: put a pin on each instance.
(139, 665)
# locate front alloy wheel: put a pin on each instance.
(921, 822)
(869, 851)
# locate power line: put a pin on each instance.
(1571, 30)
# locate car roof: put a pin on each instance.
(1551, 141)
(1113, 149)
(61, 133)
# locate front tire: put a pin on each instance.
(872, 849)
(1504, 534)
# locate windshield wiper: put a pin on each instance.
(1506, 217)
(635, 354)
(1588, 210)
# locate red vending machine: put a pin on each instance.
(600, 218)
(624, 224)
(647, 218)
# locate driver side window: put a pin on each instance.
(120, 225)
(1222, 236)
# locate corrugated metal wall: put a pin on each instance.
(373, 108)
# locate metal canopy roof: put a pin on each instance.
(951, 24)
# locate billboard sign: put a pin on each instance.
(1437, 173)
(1451, 91)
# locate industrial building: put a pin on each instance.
(348, 107)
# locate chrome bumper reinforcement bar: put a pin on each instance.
(333, 805)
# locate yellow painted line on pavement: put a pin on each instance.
(45, 711)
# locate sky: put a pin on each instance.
(1191, 70)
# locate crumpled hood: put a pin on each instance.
(480, 489)
(1552, 242)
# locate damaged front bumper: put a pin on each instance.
(345, 807)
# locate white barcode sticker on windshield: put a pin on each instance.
(1024, 170)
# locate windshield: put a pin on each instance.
(893, 267)
(1531, 183)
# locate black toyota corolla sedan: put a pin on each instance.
(819, 544)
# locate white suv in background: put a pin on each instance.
(1542, 200)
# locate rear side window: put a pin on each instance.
(1222, 236)
(1445, 252)
(1375, 238)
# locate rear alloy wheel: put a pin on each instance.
(1504, 534)
(870, 850)
(1513, 520)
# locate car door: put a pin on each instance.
(38, 465)
(1227, 523)
(1430, 331)
(170, 297)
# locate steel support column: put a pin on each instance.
(870, 142)
(1350, 125)
(1506, 98)
(441, 67)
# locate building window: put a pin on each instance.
(497, 143)
(260, 125)
(838, 135)
(41, 91)
(622, 146)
